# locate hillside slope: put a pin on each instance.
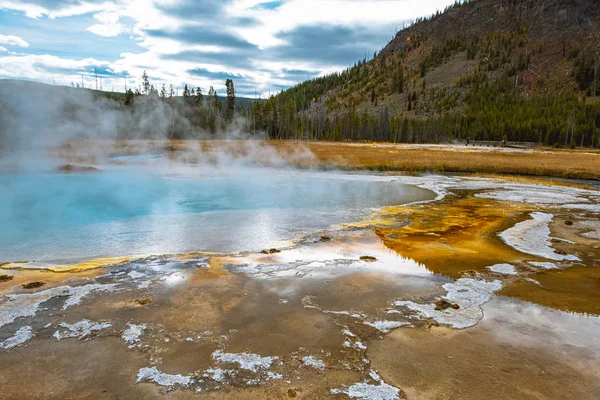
(522, 70)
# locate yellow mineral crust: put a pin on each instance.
(450, 237)
(80, 267)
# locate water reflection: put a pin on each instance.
(129, 210)
(532, 325)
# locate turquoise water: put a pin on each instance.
(130, 210)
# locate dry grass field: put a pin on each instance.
(575, 164)
(571, 164)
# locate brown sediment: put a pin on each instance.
(98, 364)
(6, 278)
(246, 315)
(474, 364)
(33, 285)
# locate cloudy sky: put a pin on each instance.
(264, 46)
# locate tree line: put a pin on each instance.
(188, 114)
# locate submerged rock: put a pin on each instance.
(271, 251)
(33, 285)
(6, 278)
(368, 259)
(143, 302)
(444, 304)
(77, 168)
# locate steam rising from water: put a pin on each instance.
(36, 119)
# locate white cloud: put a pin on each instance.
(3, 48)
(135, 17)
(107, 17)
(69, 9)
(106, 30)
(108, 25)
(294, 13)
(12, 40)
(30, 10)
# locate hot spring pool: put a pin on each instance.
(134, 210)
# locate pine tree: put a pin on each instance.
(163, 91)
(230, 99)
(129, 96)
(400, 81)
(145, 83)
(171, 90)
(216, 102)
(211, 94)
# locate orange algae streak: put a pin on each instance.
(458, 236)
(450, 237)
(193, 255)
(80, 267)
(215, 271)
(90, 264)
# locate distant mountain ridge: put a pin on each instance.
(543, 32)
(479, 62)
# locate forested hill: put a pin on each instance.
(520, 70)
